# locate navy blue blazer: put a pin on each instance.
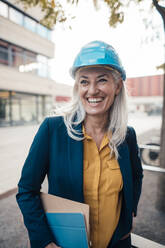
(55, 154)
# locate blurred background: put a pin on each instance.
(34, 79)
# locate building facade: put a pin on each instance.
(146, 93)
(146, 86)
(27, 89)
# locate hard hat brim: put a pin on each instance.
(73, 72)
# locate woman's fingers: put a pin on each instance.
(126, 236)
(52, 245)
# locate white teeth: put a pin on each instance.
(94, 100)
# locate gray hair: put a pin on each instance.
(74, 114)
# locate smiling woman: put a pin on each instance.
(88, 153)
(97, 89)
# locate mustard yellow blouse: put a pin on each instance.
(102, 190)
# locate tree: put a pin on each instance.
(160, 202)
(54, 12)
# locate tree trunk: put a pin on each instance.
(161, 183)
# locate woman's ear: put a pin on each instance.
(118, 88)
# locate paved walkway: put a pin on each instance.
(14, 146)
(140, 242)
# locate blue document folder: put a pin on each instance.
(69, 229)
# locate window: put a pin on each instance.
(3, 53)
(30, 24)
(3, 9)
(17, 56)
(4, 107)
(42, 59)
(23, 108)
(17, 108)
(48, 104)
(23, 20)
(40, 107)
(30, 62)
(49, 34)
(42, 66)
(16, 16)
(24, 60)
(41, 30)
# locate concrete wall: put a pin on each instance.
(12, 79)
(14, 33)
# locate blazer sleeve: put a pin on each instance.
(137, 171)
(28, 198)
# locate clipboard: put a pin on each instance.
(68, 221)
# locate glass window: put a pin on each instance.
(48, 105)
(23, 108)
(51, 69)
(4, 107)
(30, 62)
(24, 60)
(41, 30)
(30, 57)
(49, 34)
(3, 9)
(16, 108)
(42, 70)
(29, 108)
(42, 59)
(30, 24)
(17, 56)
(40, 101)
(3, 53)
(42, 66)
(16, 16)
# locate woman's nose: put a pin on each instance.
(92, 89)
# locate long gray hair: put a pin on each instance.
(118, 116)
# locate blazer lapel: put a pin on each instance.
(125, 167)
(75, 158)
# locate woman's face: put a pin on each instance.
(97, 90)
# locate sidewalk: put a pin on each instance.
(140, 242)
(14, 145)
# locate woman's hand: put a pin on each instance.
(126, 236)
(52, 245)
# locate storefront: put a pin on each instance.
(18, 108)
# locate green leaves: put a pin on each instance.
(54, 11)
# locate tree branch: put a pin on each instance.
(160, 9)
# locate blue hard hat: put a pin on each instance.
(98, 53)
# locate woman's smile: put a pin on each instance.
(95, 100)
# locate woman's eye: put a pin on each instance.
(83, 82)
(102, 80)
